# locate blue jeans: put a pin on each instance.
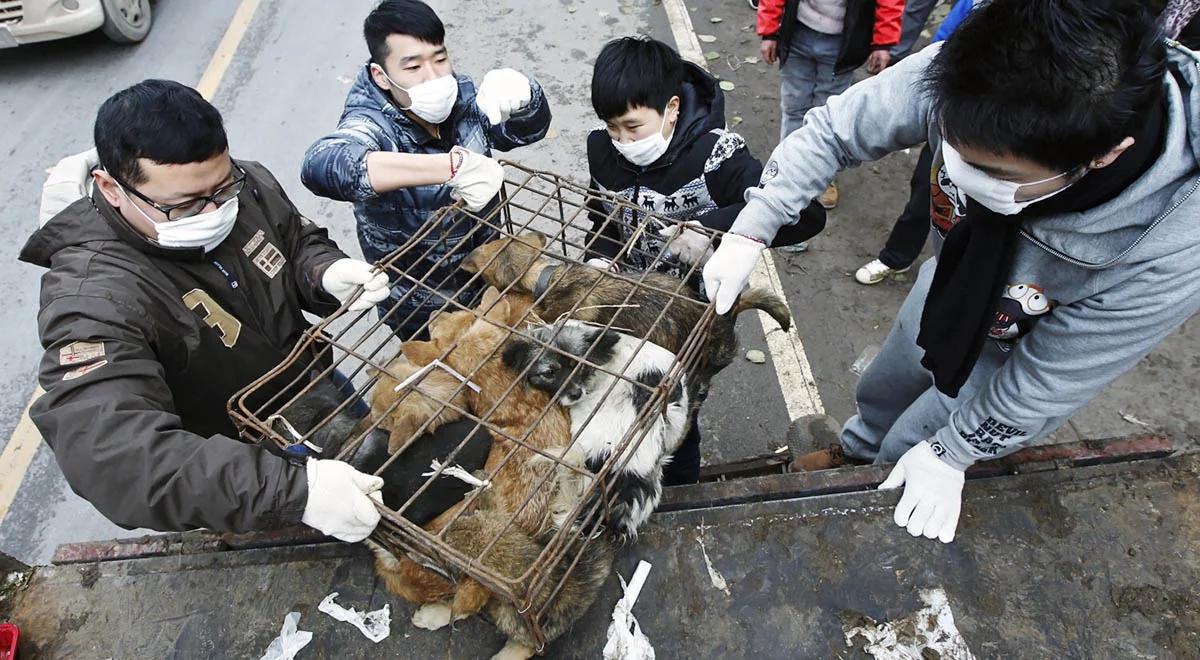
(808, 78)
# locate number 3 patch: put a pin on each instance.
(214, 316)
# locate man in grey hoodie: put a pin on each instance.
(1066, 224)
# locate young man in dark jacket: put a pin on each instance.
(665, 149)
(180, 280)
(819, 44)
(414, 137)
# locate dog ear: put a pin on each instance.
(420, 352)
(518, 353)
(490, 296)
(470, 263)
(499, 311)
(602, 343)
(398, 360)
(534, 239)
(519, 305)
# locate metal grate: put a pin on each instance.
(362, 346)
(11, 11)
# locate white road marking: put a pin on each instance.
(787, 351)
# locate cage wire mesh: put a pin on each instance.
(299, 409)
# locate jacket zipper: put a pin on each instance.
(1090, 266)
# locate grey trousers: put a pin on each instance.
(809, 78)
(898, 406)
(916, 14)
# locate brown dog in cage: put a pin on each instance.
(632, 305)
(407, 403)
(470, 343)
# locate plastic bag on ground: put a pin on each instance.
(290, 639)
(626, 641)
(376, 626)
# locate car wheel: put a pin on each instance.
(126, 21)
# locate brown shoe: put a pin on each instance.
(823, 459)
(829, 198)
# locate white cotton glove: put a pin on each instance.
(343, 277)
(340, 500)
(728, 269)
(603, 264)
(932, 496)
(687, 242)
(503, 92)
(68, 181)
(477, 180)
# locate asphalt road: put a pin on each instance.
(285, 87)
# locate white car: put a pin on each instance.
(30, 21)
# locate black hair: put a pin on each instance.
(1059, 82)
(410, 17)
(634, 72)
(160, 120)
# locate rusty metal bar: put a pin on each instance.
(865, 477)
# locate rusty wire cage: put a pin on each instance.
(364, 347)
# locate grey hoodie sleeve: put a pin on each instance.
(873, 118)
(1071, 355)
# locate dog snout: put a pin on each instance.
(572, 394)
(471, 263)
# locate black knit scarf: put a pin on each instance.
(977, 256)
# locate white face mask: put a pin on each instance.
(205, 230)
(996, 194)
(431, 100)
(648, 149)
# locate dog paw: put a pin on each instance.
(432, 616)
(514, 651)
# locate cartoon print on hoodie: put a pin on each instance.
(1018, 309)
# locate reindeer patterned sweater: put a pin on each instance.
(702, 176)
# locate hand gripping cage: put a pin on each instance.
(360, 346)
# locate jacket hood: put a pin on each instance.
(64, 230)
(701, 109)
(90, 223)
(79, 225)
(1163, 201)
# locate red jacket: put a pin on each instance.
(885, 32)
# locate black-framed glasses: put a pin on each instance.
(192, 206)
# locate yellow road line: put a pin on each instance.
(18, 454)
(223, 55)
(792, 369)
(23, 444)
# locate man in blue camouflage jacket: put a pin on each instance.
(415, 136)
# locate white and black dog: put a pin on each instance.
(604, 407)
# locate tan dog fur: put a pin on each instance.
(471, 344)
